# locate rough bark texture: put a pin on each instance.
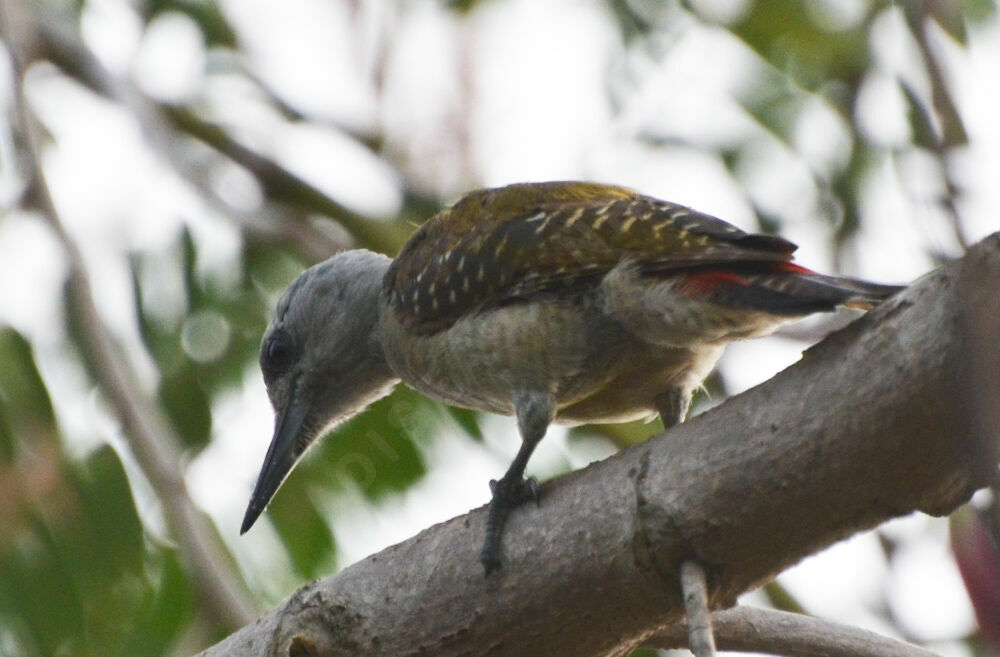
(873, 423)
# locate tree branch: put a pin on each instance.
(61, 46)
(747, 629)
(872, 424)
(699, 619)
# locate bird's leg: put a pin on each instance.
(673, 407)
(508, 492)
(535, 410)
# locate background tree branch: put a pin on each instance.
(748, 629)
(224, 597)
(871, 424)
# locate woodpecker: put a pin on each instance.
(563, 302)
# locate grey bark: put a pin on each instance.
(746, 629)
(883, 418)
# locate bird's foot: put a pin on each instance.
(508, 493)
(515, 493)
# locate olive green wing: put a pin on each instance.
(500, 246)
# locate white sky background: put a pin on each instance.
(519, 91)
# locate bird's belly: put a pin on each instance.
(595, 370)
(481, 360)
(638, 381)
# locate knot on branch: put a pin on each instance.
(313, 623)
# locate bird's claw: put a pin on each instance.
(516, 493)
(507, 494)
(532, 490)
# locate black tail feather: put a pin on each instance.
(801, 294)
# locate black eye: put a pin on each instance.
(277, 352)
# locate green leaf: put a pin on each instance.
(462, 6)
(376, 451)
(166, 609)
(187, 405)
(919, 116)
(110, 540)
(192, 287)
(303, 530)
(796, 42)
(7, 447)
(468, 420)
(846, 187)
(25, 406)
(72, 575)
(212, 23)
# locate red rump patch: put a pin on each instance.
(792, 268)
(709, 281)
(706, 282)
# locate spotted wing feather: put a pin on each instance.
(499, 246)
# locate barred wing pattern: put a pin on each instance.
(499, 246)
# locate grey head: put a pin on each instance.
(321, 359)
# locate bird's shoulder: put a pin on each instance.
(501, 245)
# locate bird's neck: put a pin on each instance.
(360, 328)
(374, 305)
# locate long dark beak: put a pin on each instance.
(286, 447)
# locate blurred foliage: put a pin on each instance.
(205, 351)
(210, 20)
(376, 453)
(81, 572)
(77, 575)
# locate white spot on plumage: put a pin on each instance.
(543, 225)
(574, 217)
